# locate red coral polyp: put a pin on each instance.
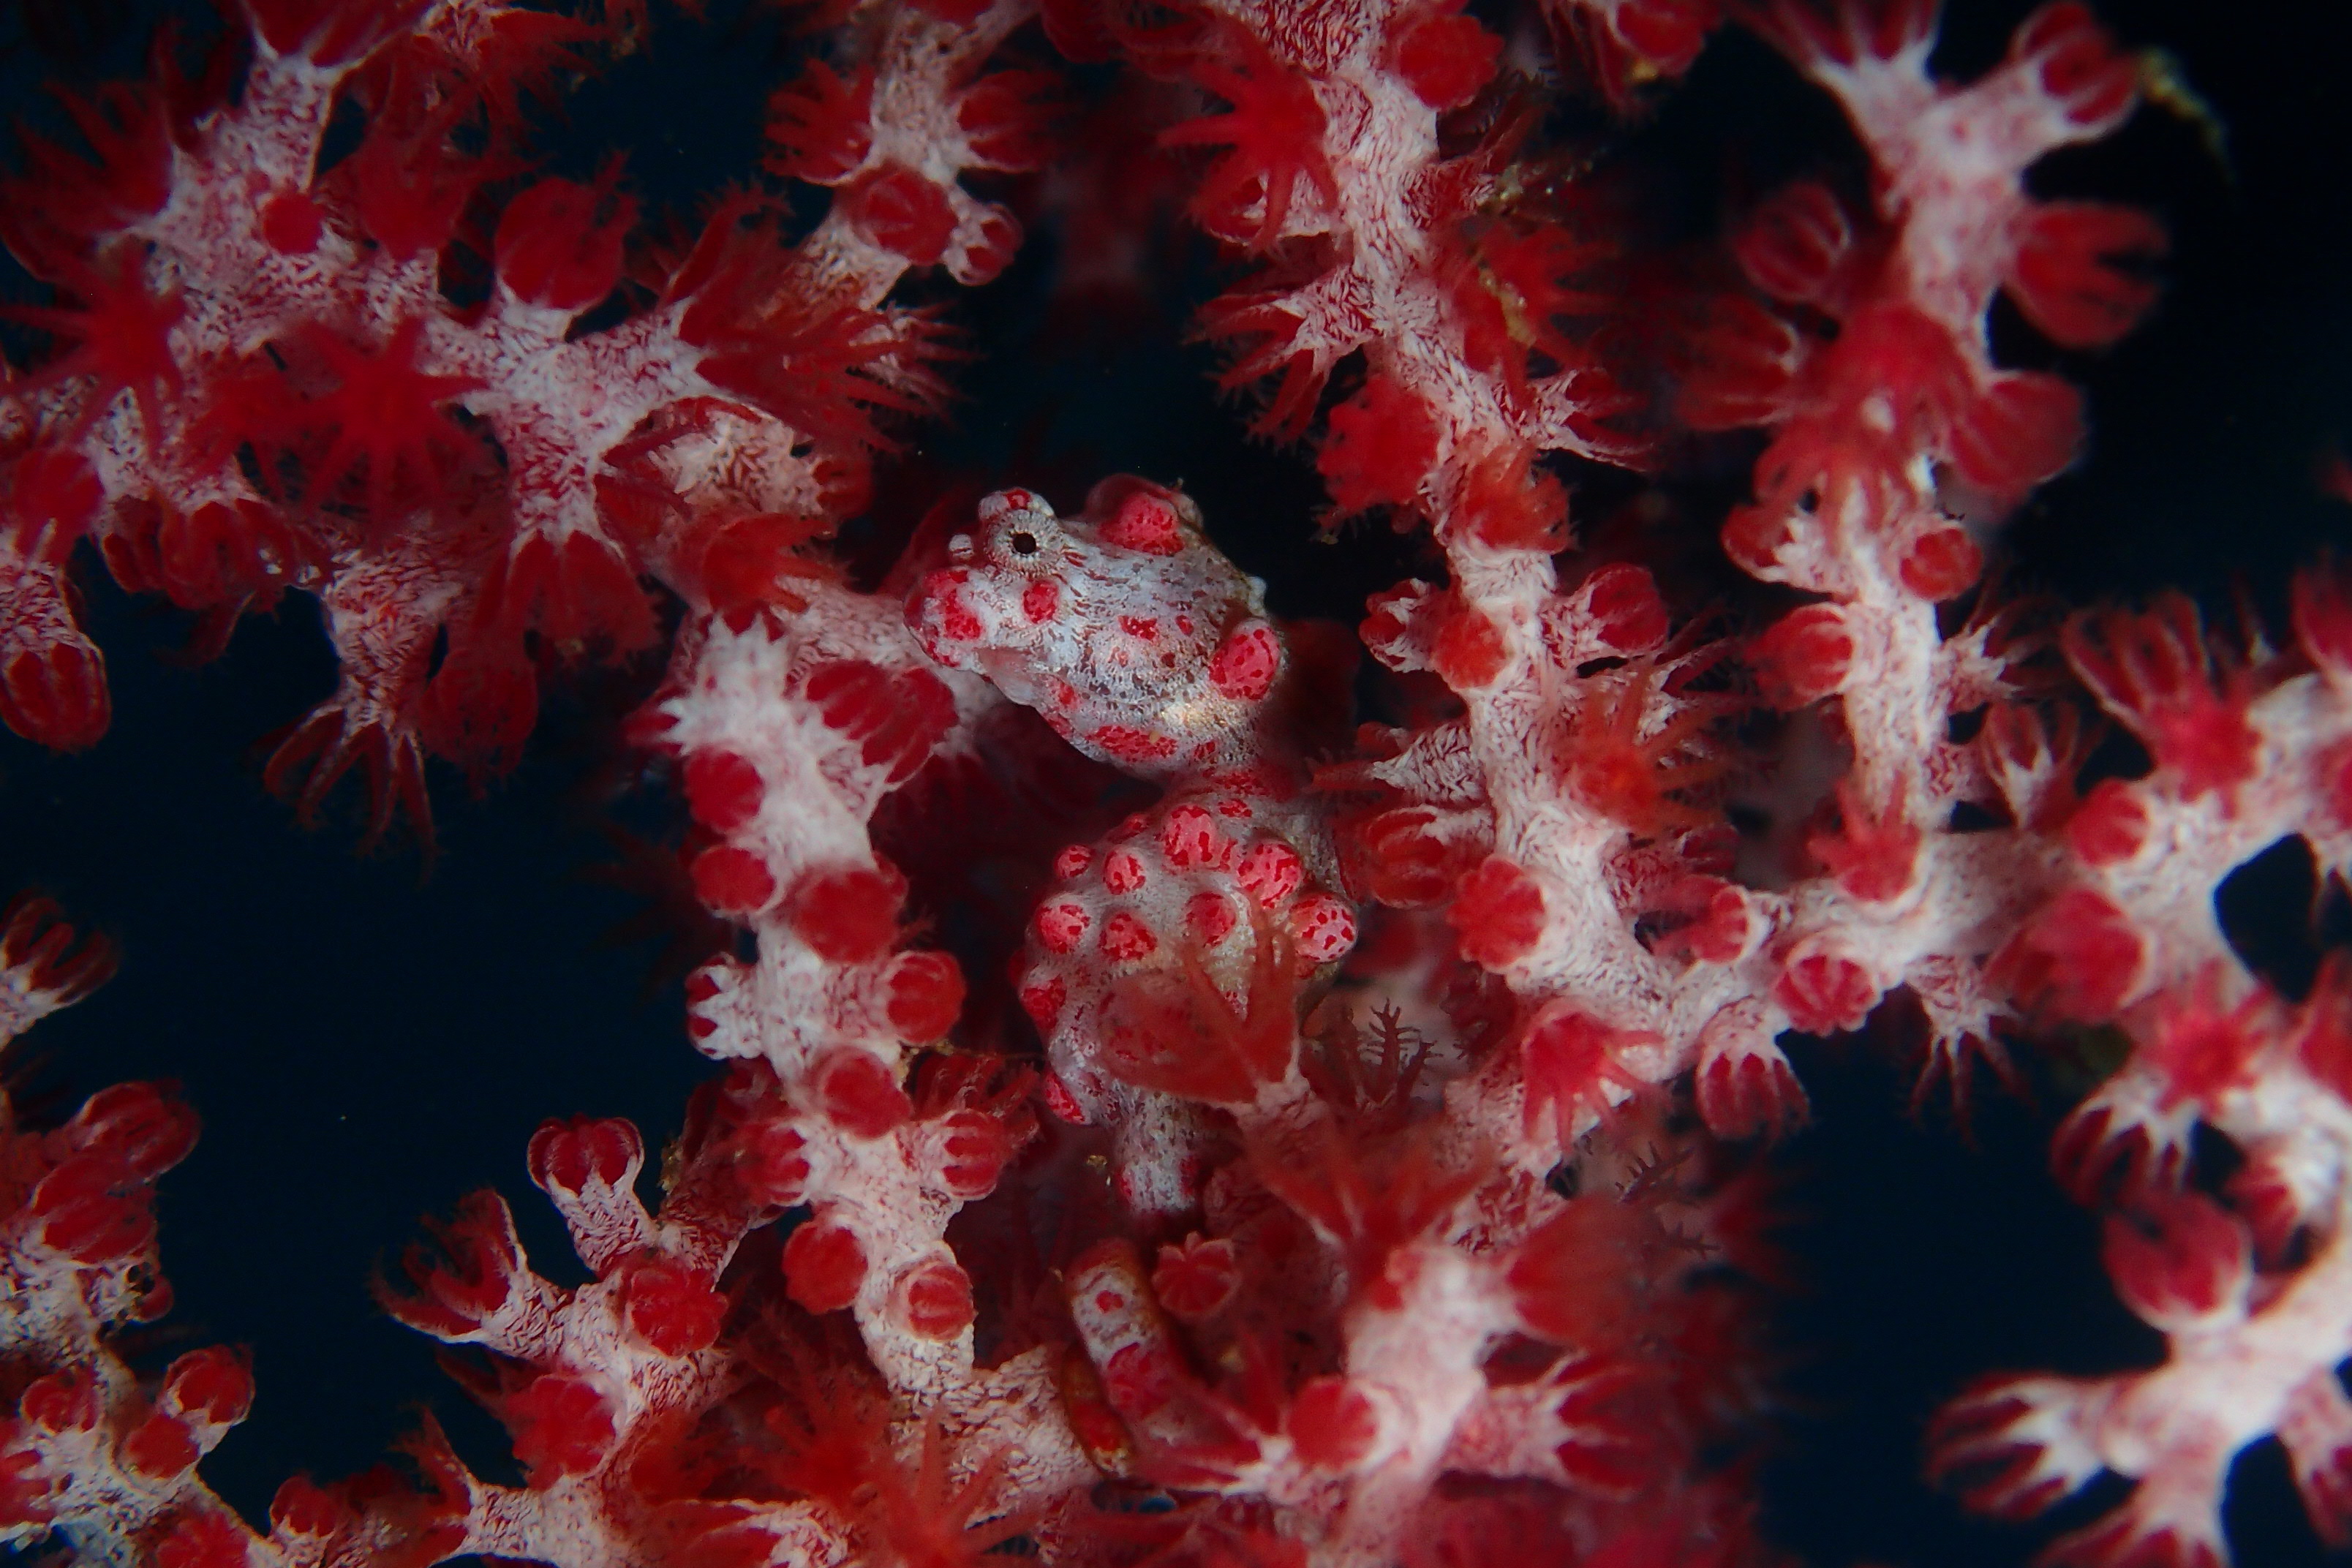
(859, 1092)
(1498, 913)
(2183, 1262)
(585, 1152)
(558, 244)
(1573, 1066)
(935, 1299)
(562, 1425)
(926, 993)
(850, 915)
(825, 1266)
(1620, 758)
(733, 881)
(1176, 1028)
(1825, 990)
(2186, 699)
(670, 1305)
(1381, 445)
(1274, 131)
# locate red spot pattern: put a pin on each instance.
(1126, 938)
(1270, 871)
(1246, 662)
(1145, 522)
(1126, 744)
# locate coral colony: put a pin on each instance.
(1348, 1151)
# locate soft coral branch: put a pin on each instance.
(1347, 1207)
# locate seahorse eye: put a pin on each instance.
(1024, 543)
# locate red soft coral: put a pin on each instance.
(1274, 129)
(377, 411)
